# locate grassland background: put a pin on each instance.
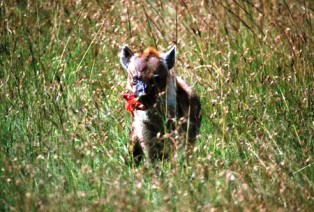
(64, 128)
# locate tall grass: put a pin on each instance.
(64, 128)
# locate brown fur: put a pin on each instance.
(150, 52)
(173, 111)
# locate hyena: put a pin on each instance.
(170, 112)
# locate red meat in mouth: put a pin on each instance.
(133, 103)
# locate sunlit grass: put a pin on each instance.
(64, 129)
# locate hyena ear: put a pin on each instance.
(125, 56)
(170, 57)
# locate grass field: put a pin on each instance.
(64, 128)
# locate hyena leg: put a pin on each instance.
(139, 150)
(158, 150)
(136, 151)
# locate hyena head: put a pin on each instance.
(148, 72)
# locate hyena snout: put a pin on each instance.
(145, 92)
(141, 89)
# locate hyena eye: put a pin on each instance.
(156, 78)
(135, 80)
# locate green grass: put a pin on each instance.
(64, 129)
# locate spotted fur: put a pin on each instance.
(173, 111)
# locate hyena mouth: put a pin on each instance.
(133, 102)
